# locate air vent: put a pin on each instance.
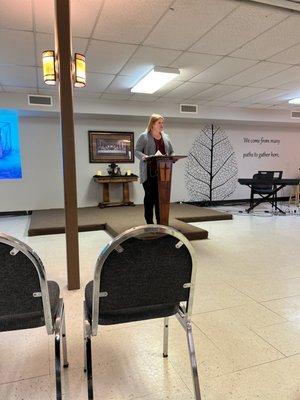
(38, 100)
(189, 108)
(295, 114)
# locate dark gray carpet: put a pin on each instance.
(116, 220)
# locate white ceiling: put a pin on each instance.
(231, 53)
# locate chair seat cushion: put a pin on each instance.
(127, 314)
(31, 319)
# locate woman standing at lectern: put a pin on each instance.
(148, 143)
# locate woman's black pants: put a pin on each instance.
(151, 199)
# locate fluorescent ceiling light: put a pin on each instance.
(295, 101)
(155, 79)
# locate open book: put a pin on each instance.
(157, 154)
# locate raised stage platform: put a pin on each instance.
(116, 220)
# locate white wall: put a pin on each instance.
(42, 185)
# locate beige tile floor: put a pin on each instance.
(246, 323)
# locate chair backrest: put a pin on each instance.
(145, 266)
(263, 175)
(23, 285)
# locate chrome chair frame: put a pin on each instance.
(56, 327)
(90, 328)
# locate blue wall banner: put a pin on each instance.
(10, 157)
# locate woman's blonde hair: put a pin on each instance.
(152, 120)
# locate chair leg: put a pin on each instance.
(57, 366)
(64, 342)
(84, 349)
(88, 365)
(59, 332)
(193, 360)
(187, 326)
(166, 337)
(89, 372)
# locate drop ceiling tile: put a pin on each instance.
(199, 102)
(168, 87)
(143, 97)
(289, 56)
(83, 16)
(187, 21)
(166, 100)
(289, 95)
(115, 97)
(276, 39)
(293, 85)
(238, 104)
(121, 85)
(191, 64)
(279, 79)
(98, 82)
(17, 48)
(254, 105)
(258, 106)
(241, 94)
(264, 96)
(279, 107)
(145, 58)
(187, 89)
(106, 57)
(217, 103)
(44, 41)
(257, 72)
(215, 92)
(224, 69)
(291, 106)
(271, 102)
(12, 18)
(81, 93)
(134, 22)
(12, 75)
(242, 25)
(44, 15)
(79, 45)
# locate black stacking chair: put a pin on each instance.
(260, 189)
(28, 300)
(146, 272)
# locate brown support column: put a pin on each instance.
(63, 51)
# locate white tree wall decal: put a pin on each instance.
(211, 166)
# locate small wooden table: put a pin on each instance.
(106, 180)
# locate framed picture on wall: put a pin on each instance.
(108, 147)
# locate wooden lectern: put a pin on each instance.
(164, 166)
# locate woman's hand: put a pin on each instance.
(144, 157)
